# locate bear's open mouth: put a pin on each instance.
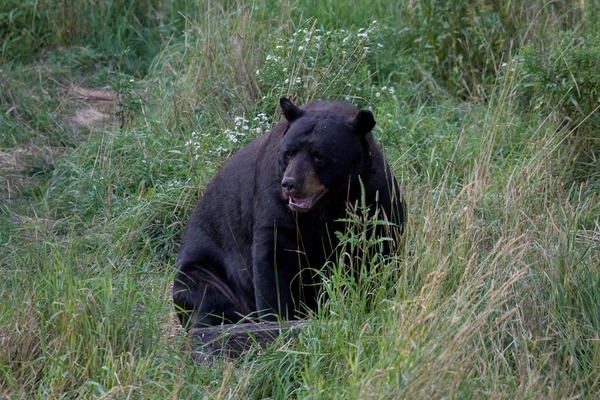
(300, 204)
(304, 204)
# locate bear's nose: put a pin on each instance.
(290, 185)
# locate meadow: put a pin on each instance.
(115, 114)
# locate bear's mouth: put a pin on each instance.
(304, 204)
(300, 204)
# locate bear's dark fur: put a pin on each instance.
(266, 222)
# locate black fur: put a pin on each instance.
(265, 222)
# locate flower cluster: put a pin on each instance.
(194, 144)
(385, 90)
(312, 63)
(243, 127)
(242, 131)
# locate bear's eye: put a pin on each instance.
(289, 154)
(317, 158)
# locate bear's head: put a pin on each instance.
(322, 152)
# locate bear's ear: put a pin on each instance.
(290, 111)
(364, 122)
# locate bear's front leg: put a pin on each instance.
(275, 269)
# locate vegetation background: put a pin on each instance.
(114, 114)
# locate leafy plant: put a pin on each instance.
(564, 81)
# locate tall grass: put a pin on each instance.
(494, 290)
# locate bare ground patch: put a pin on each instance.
(93, 107)
(82, 107)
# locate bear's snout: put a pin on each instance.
(290, 186)
(302, 194)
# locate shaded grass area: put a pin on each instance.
(494, 290)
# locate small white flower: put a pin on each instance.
(239, 121)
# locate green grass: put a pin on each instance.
(495, 288)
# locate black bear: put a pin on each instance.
(266, 221)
